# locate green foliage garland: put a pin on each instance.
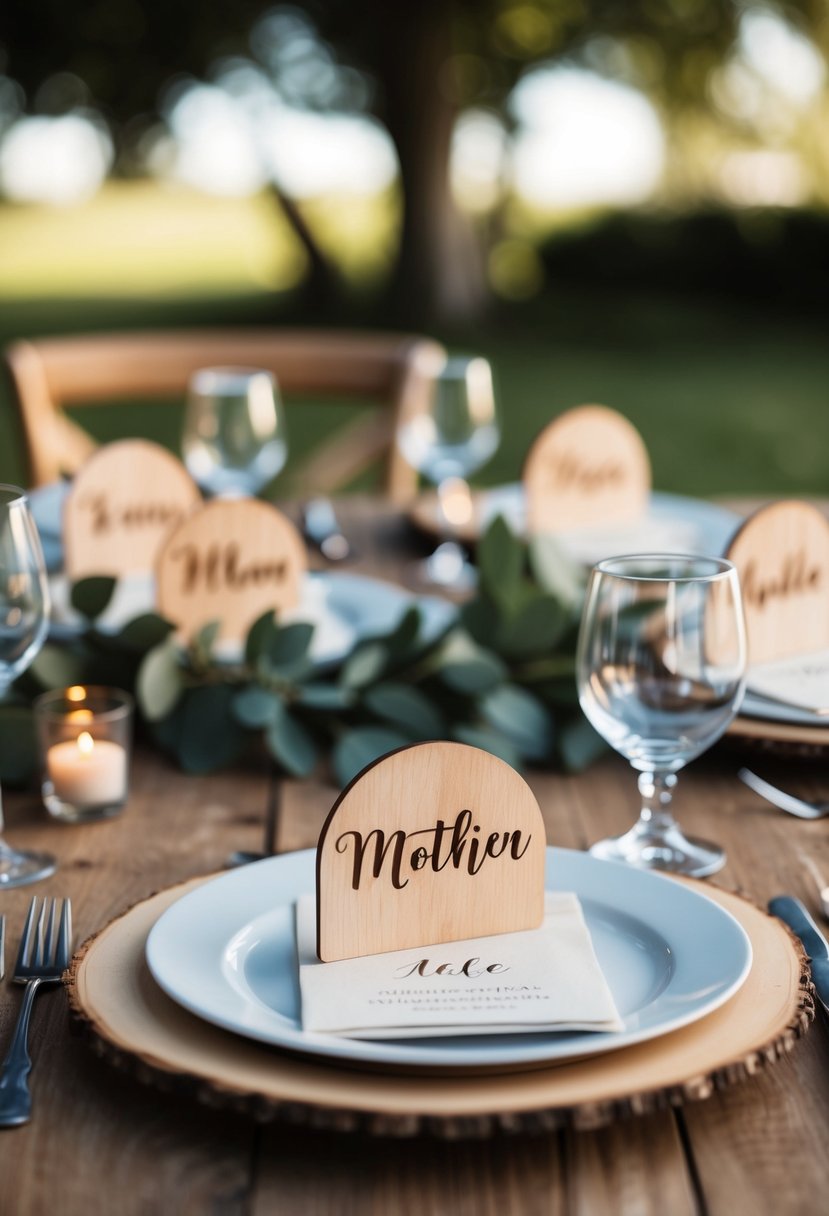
(500, 677)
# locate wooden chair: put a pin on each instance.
(390, 370)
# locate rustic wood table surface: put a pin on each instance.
(100, 1141)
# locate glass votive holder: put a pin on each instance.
(84, 736)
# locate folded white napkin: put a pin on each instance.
(510, 983)
(801, 680)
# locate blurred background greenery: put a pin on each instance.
(625, 202)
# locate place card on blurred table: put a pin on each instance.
(782, 556)
(121, 506)
(510, 983)
(231, 561)
(589, 467)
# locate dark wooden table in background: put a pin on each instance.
(100, 1142)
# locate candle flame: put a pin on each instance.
(76, 693)
(85, 743)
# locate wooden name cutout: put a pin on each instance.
(122, 504)
(433, 843)
(588, 467)
(230, 561)
(782, 555)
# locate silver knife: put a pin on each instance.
(792, 912)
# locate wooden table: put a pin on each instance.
(100, 1142)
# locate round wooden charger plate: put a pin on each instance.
(782, 738)
(138, 1028)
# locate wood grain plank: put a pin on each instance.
(636, 1167)
(408, 1178)
(759, 1146)
(103, 1140)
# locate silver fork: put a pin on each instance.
(45, 949)
(782, 800)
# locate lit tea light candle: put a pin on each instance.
(86, 771)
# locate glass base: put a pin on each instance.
(669, 850)
(18, 869)
(67, 812)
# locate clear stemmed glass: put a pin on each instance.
(24, 620)
(447, 434)
(661, 671)
(234, 439)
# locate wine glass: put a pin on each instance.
(661, 671)
(449, 432)
(234, 439)
(24, 620)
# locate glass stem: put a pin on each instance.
(656, 790)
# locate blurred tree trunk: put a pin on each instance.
(439, 274)
(321, 287)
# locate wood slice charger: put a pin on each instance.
(137, 1027)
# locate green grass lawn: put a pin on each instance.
(728, 401)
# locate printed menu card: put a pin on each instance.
(509, 983)
(801, 679)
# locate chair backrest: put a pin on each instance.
(389, 369)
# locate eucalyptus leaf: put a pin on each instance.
(160, 681)
(474, 676)
(500, 558)
(534, 629)
(407, 707)
(480, 618)
(579, 745)
(365, 665)
(489, 741)
(555, 571)
(18, 755)
(90, 596)
(57, 667)
(144, 632)
(331, 697)
(260, 636)
(362, 746)
(202, 731)
(205, 639)
(402, 639)
(290, 644)
(518, 715)
(256, 707)
(290, 744)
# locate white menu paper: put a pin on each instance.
(512, 983)
(801, 679)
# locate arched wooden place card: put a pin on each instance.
(230, 561)
(433, 843)
(122, 504)
(782, 555)
(588, 467)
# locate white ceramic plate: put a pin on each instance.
(766, 711)
(226, 952)
(673, 524)
(343, 608)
